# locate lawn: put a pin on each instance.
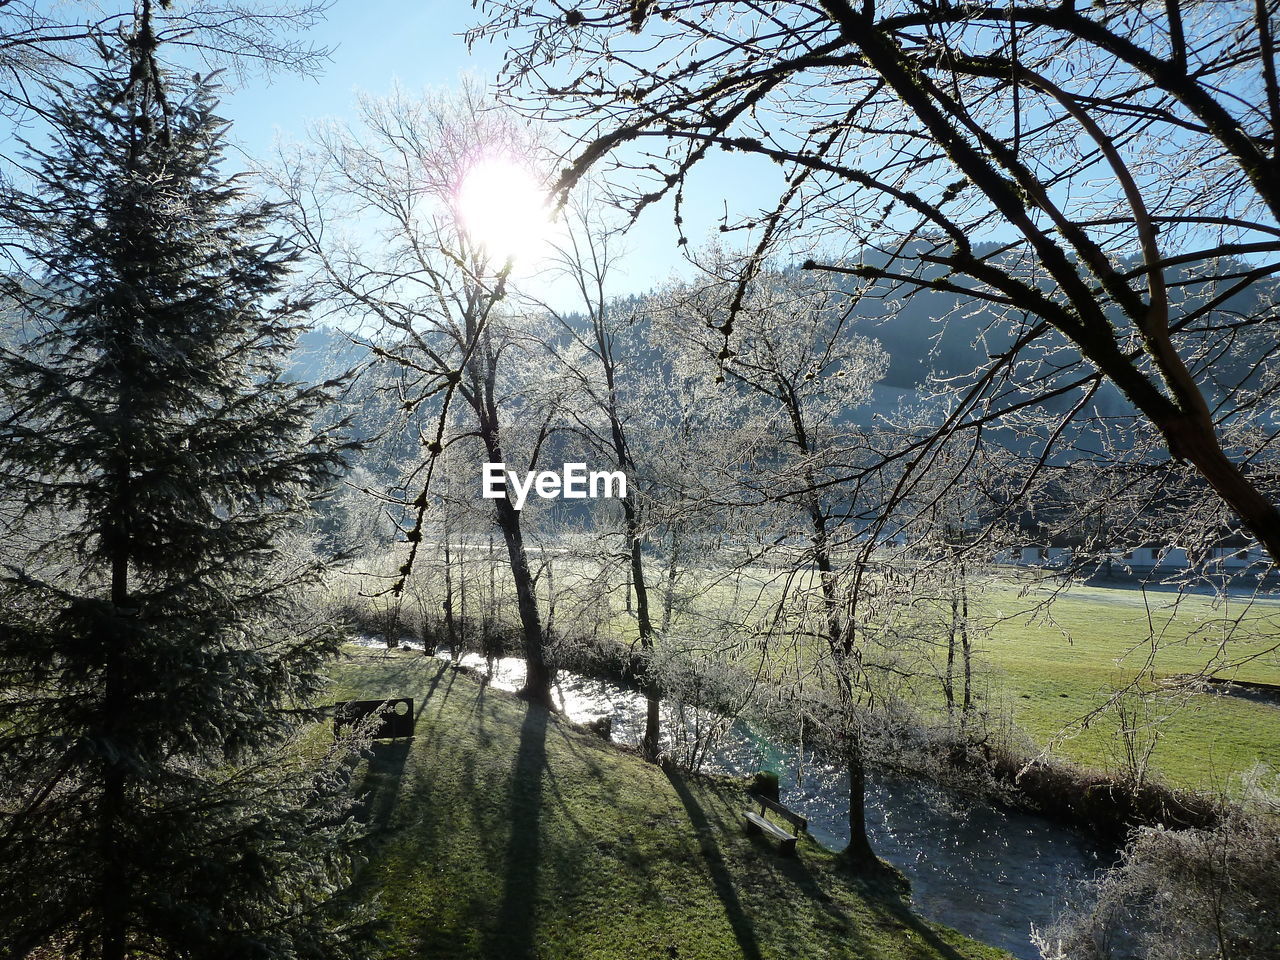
(1053, 666)
(503, 832)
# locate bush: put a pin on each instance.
(1186, 894)
(765, 783)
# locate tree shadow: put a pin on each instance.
(433, 686)
(888, 901)
(512, 934)
(384, 774)
(882, 890)
(382, 781)
(721, 878)
(606, 784)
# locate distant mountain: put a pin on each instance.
(323, 353)
(932, 335)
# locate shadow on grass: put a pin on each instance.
(721, 879)
(382, 782)
(433, 686)
(888, 902)
(605, 786)
(385, 773)
(386, 770)
(882, 892)
(512, 935)
(573, 745)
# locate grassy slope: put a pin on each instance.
(504, 833)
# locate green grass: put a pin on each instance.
(1050, 665)
(1054, 667)
(503, 832)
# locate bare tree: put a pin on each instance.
(597, 351)
(1120, 160)
(43, 42)
(797, 365)
(377, 205)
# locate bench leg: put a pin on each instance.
(750, 825)
(787, 847)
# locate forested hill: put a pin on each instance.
(931, 337)
(918, 342)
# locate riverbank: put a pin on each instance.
(1046, 656)
(501, 831)
(1104, 806)
(1097, 803)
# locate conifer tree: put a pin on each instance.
(157, 665)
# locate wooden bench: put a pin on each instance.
(757, 823)
(395, 721)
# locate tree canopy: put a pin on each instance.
(1104, 180)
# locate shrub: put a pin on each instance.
(1186, 894)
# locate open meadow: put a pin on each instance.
(1054, 665)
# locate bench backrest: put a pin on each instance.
(396, 719)
(797, 821)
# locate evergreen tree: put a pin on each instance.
(156, 660)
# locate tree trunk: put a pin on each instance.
(841, 639)
(115, 897)
(649, 743)
(669, 596)
(491, 611)
(551, 598)
(449, 625)
(948, 678)
(481, 395)
(859, 848)
(966, 651)
(115, 892)
(462, 594)
(538, 677)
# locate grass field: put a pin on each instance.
(1054, 666)
(1050, 657)
(503, 832)
(1049, 666)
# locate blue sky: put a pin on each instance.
(418, 44)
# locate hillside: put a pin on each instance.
(503, 832)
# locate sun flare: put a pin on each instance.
(503, 209)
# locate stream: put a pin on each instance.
(987, 871)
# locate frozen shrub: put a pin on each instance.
(1201, 894)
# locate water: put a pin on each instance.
(984, 870)
(988, 871)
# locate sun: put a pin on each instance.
(503, 209)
